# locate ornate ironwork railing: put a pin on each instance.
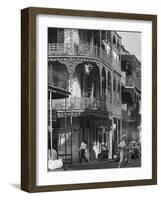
(127, 117)
(82, 49)
(79, 103)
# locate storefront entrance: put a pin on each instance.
(67, 141)
(61, 142)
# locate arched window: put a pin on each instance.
(87, 76)
(59, 76)
(109, 81)
(114, 84)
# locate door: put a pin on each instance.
(84, 135)
(65, 144)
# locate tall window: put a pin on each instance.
(109, 81)
(114, 84)
(119, 92)
(103, 81)
(118, 88)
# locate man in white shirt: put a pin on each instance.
(95, 149)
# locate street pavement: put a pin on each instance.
(107, 164)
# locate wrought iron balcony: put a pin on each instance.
(79, 103)
(127, 117)
(82, 49)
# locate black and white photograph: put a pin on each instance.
(89, 99)
(94, 99)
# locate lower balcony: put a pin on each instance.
(127, 117)
(79, 103)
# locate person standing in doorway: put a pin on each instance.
(83, 150)
(123, 151)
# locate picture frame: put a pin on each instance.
(29, 78)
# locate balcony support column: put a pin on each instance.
(50, 74)
(106, 84)
(92, 44)
(120, 128)
(120, 94)
(70, 84)
(117, 129)
(65, 119)
(111, 139)
(50, 123)
(100, 70)
(71, 69)
(112, 91)
(100, 44)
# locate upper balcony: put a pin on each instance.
(81, 49)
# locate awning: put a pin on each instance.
(58, 93)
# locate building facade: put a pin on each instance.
(131, 96)
(87, 63)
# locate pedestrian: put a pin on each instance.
(123, 152)
(95, 149)
(52, 154)
(83, 150)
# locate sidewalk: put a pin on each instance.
(106, 164)
(96, 164)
